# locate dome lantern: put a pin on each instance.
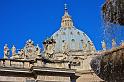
(66, 19)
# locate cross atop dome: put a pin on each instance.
(65, 6)
(66, 19)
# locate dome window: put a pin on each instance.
(84, 33)
(57, 35)
(81, 40)
(73, 40)
(88, 41)
(71, 33)
(63, 40)
(78, 33)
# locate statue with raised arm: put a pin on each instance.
(6, 52)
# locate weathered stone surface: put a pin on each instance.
(90, 77)
(12, 79)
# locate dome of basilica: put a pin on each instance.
(69, 38)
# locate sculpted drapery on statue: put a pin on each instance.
(6, 52)
(22, 53)
(92, 49)
(13, 50)
(30, 49)
(49, 46)
(38, 50)
(14, 54)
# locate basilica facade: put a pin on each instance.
(65, 58)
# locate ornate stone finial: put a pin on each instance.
(13, 50)
(6, 52)
(66, 19)
(103, 45)
(113, 43)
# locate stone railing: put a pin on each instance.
(26, 63)
(17, 63)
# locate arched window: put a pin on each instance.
(57, 35)
(63, 40)
(78, 33)
(71, 33)
(82, 40)
(73, 40)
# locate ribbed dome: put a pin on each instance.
(72, 39)
(68, 38)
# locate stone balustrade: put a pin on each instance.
(25, 63)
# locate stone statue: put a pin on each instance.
(65, 47)
(38, 50)
(91, 46)
(84, 46)
(14, 55)
(29, 43)
(49, 47)
(13, 50)
(113, 43)
(103, 45)
(29, 49)
(22, 54)
(6, 52)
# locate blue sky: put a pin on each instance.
(21, 20)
